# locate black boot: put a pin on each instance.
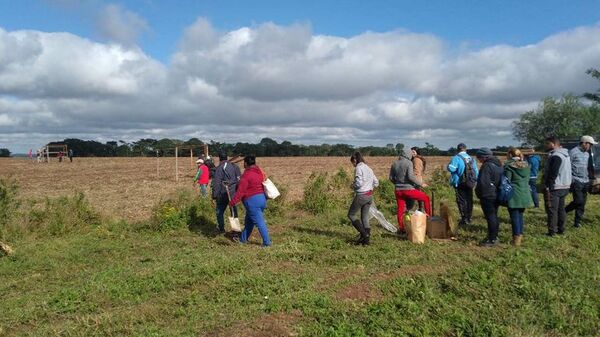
(367, 237)
(361, 229)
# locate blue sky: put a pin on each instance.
(357, 72)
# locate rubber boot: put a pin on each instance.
(367, 237)
(363, 234)
(516, 241)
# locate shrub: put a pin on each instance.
(276, 207)
(324, 192)
(9, 204)
(184, 209)
(439, 185)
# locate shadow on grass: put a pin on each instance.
(200, 224)
(321, 232)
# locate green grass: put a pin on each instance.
(172, 276)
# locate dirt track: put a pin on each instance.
(128, 187)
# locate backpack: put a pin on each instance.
(505, 191)
(468, 179)
(211, 167)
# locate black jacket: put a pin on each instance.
(228, 173)
(489, 178)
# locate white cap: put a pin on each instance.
(199, 161)
(588, 139)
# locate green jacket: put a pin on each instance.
(517, 171)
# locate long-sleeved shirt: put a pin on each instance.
(250, 184)
(364, 179)
(402, 175)
(456, 167)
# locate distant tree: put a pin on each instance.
(4, 152)
(565, 118)
(595, 97)
(399, 148)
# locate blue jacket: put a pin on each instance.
(534, 165)
(456, 167)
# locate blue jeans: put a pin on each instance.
(221, 207)
(534, 193)
(516, 220)
(255, 205)
(203, 189)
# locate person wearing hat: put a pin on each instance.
(226, 178)
(534, 162)
(202, 176)
(580, 168)
(486, 190)
(403, 177)
(463, 175)
(557, 179)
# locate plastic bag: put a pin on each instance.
(375, 213)
(271, 190)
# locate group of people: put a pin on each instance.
(42, 155)
(564, 171)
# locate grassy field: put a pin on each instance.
(78, 272)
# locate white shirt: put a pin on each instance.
(364, 179)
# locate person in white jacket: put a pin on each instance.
(364, 182)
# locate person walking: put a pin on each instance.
(202, 176)
(463, 177)
(252, 194)
(580, 169)
(534, 162)
(488, 181)
(226, 176)
(517, 170)
(70, 154)
(557, 180)
(363, 184)
(403, 177)
(419, 165)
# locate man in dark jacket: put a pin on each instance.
(557, 179)
(486, 190)
(227, 175)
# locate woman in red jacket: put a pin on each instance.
(202, 176)
(252, 194)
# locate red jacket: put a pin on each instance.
(203, 179)
(250, 184)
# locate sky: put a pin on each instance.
(311, 72)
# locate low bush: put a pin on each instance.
(183, 209)
(277, 207)
(9, 203)
(324, 192)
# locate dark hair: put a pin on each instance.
(357, 158)
(250, 160)
(461, 146)
(553, 139)
(416, 149)
(222, 156)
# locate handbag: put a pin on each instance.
(271, 190)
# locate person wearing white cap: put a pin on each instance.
(202, 176)
(580, 168)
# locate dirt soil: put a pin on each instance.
(128, 188)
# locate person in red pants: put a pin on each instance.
(403, 177)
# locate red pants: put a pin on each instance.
(402, 196)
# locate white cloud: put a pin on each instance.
(120, 25)
(282, 82)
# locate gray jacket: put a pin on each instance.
(557, 175)
(402, 174)
(579, 165)
(228, 173)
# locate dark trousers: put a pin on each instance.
(490, 211)
(220, 211)
(579, 191)
(464, 201)
(534, 193)
(555, 210)
(517, 220)
(359, 209)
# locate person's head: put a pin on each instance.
(515, 153)
(249, 161)
(552, 143)
(356, 158)
(414, 151)
(200, 162)
(586, 142)
(461, 147)
(484, 153)
(222, 156)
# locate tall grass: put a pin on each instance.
(324, 192)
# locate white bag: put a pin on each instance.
(375, 213)
(271, 190)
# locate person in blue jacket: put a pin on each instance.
(463, 181)
(534, 161)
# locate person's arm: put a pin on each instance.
(198, 174)
(240, 192)
(475, 167)
(375, 180)
(411, 175)
(454, 164)
(393, 174)
(359, 178)
(552, 172)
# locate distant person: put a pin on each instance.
(60, 156)
(534, 161)
(463, 177)
(363, 184)
(227, 175)
(419, 165)
(580, 169)
(201, 177)
(406, 186)
(488, 181)
(557, 180)
(70, 155)
(252, 194)
(517, 170)
(30, 155)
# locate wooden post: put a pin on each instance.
(176, 164)
(47, 154)
(157, 166)
(192, 157)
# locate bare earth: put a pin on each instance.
(128, 188)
